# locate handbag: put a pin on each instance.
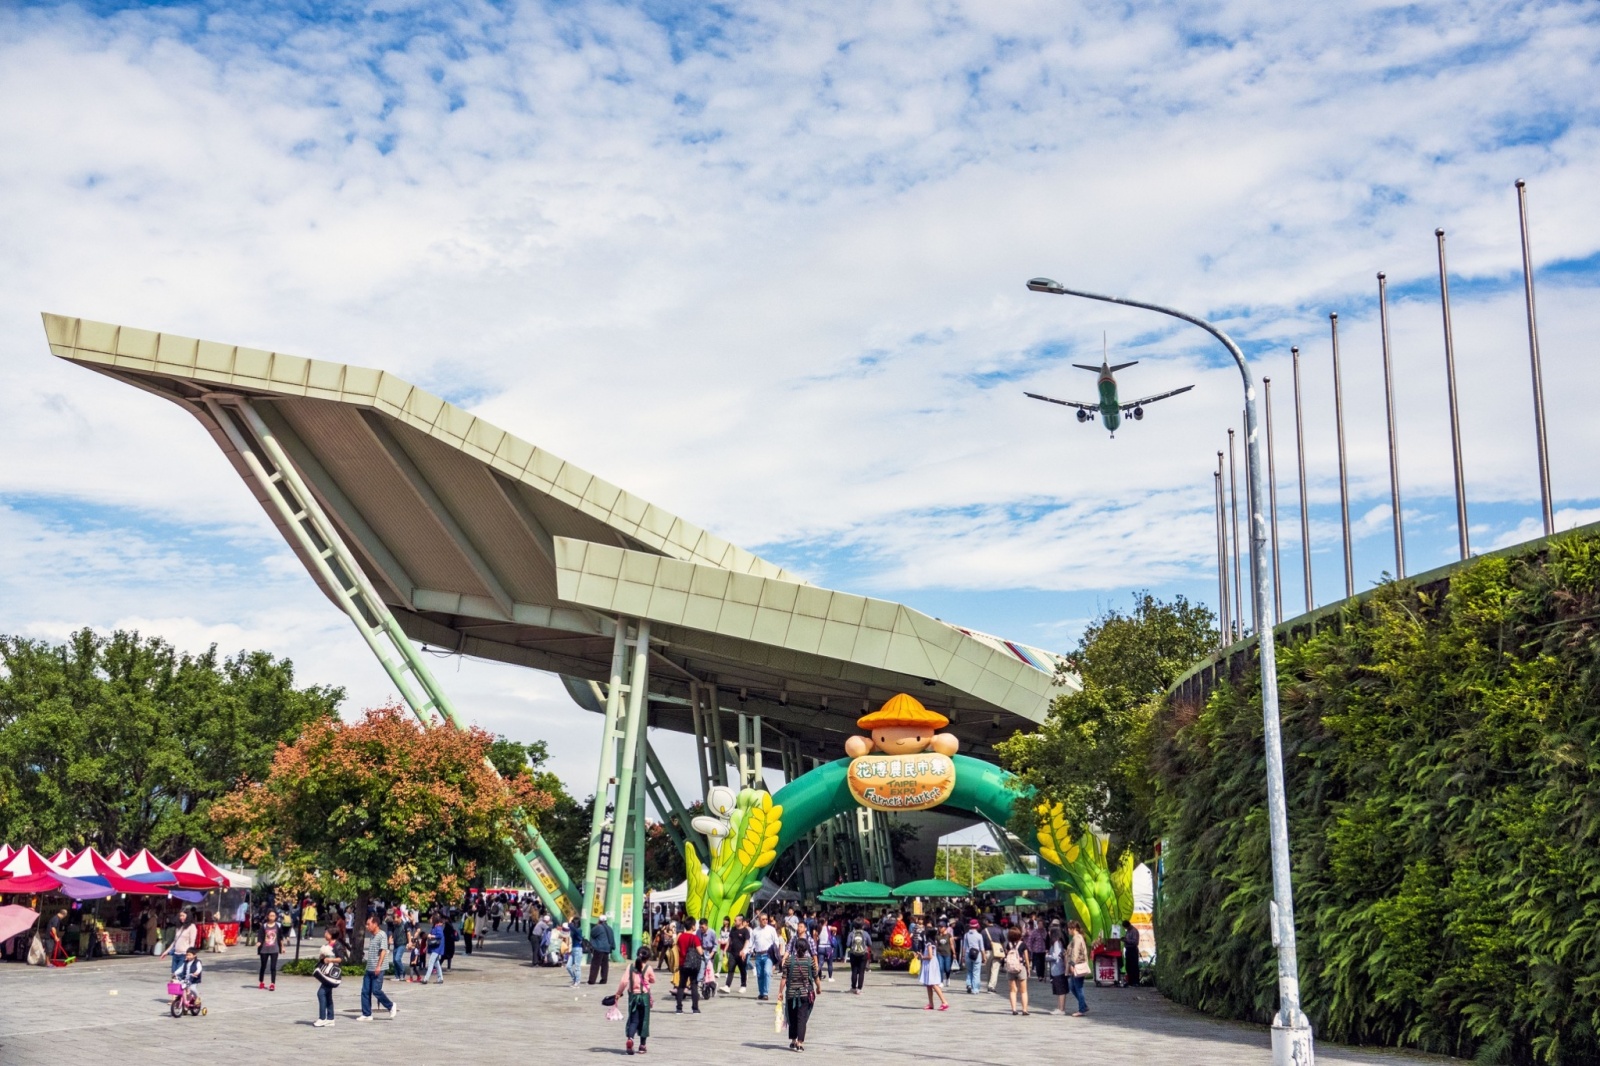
(1081, 969)
(916, 966)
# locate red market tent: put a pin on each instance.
(28, 873)
(63, 858)
(6, 852)
(194, 870)
(118, 859)
(92, 866)
(149, 869)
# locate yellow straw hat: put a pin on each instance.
(903, 710)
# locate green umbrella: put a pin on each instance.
(857, 892)
(1021, 901)
(931, 887)
(1014, 882)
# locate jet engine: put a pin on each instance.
(1083, 416)
(1138, 413)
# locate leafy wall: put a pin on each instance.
(1444, 817)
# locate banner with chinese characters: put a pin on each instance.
(902, 782)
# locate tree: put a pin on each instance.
(379, 807)
(1091, 753)
(122, 742)
(956, 864)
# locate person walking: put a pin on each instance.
(1034, 941)
(450, 936)
(602, 942)
(764, 946)
(469, 926)
(1130, 955)
(435, 948)
(691, 957)
(739, 953)
(1014, 964)
(824, 949)
(633, 995)
(376, 956)
(268, 946)
(931, 975)
(1077, 965)
(798, 986)
(973, 950)
(308, 919)
(1056, 965)
(575, 945)
(329, 972)
(858, 950)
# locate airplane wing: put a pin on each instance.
(1068, 403)
(1131, 404)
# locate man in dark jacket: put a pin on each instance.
(602, 942)
(738, 957)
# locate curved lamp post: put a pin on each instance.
(1291, 1032)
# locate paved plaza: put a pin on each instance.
(497, 1009)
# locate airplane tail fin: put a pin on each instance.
(1097, 369)
(1086, 366)
(1123, 366)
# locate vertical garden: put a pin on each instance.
(1444, 812)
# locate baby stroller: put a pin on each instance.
(185, 999)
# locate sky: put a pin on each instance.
(764, 264)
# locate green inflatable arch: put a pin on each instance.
(809, 800)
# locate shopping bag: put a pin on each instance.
(614, 1014)
(777, 1018)
(916, 966)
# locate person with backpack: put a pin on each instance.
(824, 949)
(798, 986)
(602, 942)
(691, 959)
(974, 946)
(1014, 964)
(858, 949)
(329, 972)
(633, 996)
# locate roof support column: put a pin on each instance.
(598, 864)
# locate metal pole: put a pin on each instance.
(1300, 455)
(1224, 624)
(1238, 567)
(1533, 356)
(1394, 452)
(1291, 1036)
(633, 734)
(1272, 502)
(1455, 415)
(603, 779)
(1344, 479)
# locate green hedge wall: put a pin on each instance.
(1444, 818)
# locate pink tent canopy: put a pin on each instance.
(194, 870)
(118, 859)
(92, 866)
(6, 851)
(63, 858)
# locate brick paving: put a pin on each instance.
(495, 1009)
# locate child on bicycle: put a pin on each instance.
(190, 971)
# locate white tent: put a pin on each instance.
(679, 893)
(769, 890)
(1144, 890)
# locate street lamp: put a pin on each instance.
(1291, 1032)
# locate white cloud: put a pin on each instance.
(755, 265)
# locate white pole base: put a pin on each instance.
(1291, 1045)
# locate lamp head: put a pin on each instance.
(1046, 285)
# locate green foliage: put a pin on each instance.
(304, 967)
(123, 742)
(1442, 754)
(956, 864)
(1091, 755)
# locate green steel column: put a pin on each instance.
(633, 727)
(674, 804)
(637, 839)
(593, 893)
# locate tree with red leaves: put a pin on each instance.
(379, 808)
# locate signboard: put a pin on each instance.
(552, 889)
(902, 782)
(627, 871)
(602, 875)
(625, 906)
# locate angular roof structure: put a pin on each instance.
(486, 545)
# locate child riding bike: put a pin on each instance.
(185, 986)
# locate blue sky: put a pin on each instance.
(764, 264)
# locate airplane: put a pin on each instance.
(1109, 408)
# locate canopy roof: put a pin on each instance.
(932, 887)
(1012, 881)
(90, 865)
(194, 870)
(858, 892)
(484, 544)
